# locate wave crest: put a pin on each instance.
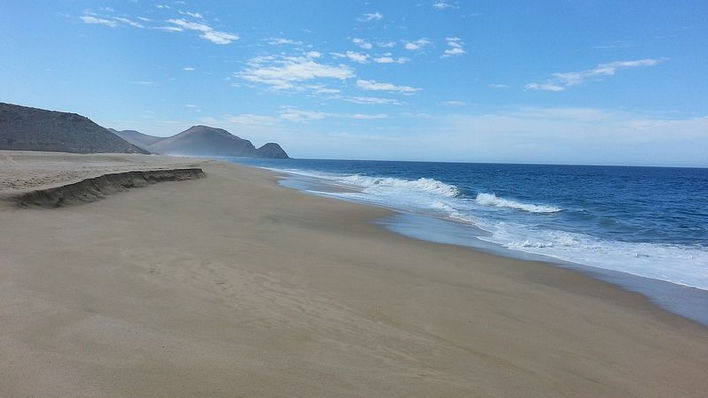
(490, 199)
(427, 185)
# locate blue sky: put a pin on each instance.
(588, 82)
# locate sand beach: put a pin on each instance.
(231, 285)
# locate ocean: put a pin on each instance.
(645, 228)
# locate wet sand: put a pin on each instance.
(231, 285)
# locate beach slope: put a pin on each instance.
(231, 285)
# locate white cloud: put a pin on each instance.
(99, 21)
(277, 41)
(321, 89)
(498, 85)
(188, 69)
(455, 46)
(281, 72)
(387, 59)
(129, 22)
(110, 21)
(370, 16)
(145, 83)
(376, 86)
(372, 100)
(293, 114)
(170, 28)
(207, 32)
(192, 14)
(417, 44)
(357, 57)
(362, 43)
(368, 117)
(544, 87)
(442, 5)
(561, 81)
(386, 44)
(455, 103)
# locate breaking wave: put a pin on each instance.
(489, 199)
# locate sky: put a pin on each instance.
(554, 82)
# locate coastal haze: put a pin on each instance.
(157, 240)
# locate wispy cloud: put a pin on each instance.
(99, 21)
(296, 115)
(278, 41)
(192, 14)
(357, 57)
(188, 69)
(386, 44)
(371, 100)
(417, 44)
(207, 32)
(145, 83)
(443, 5)
(455, 103)
(370, 16)
(455, 46)
(170, 28)
(284, 72)
(498, 85)
(110, 21)
(562, 81)
(362, 43)
(174, 25)
(376, 86)
(388, 59)
(361, 116)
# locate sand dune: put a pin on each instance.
(233, 286)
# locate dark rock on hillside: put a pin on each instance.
(32, 129)
(137, 138)
(270, 150)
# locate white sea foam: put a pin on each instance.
(680, 264)
(490, 199)
(379, 184)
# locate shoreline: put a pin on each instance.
(234, 284)
(683, 300)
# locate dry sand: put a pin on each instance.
(231, 286)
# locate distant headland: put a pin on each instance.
(33, 129)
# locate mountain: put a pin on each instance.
(32, 129)
(270, 150)
(137, 138)
(211, 141)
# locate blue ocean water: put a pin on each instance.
(645, 221)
